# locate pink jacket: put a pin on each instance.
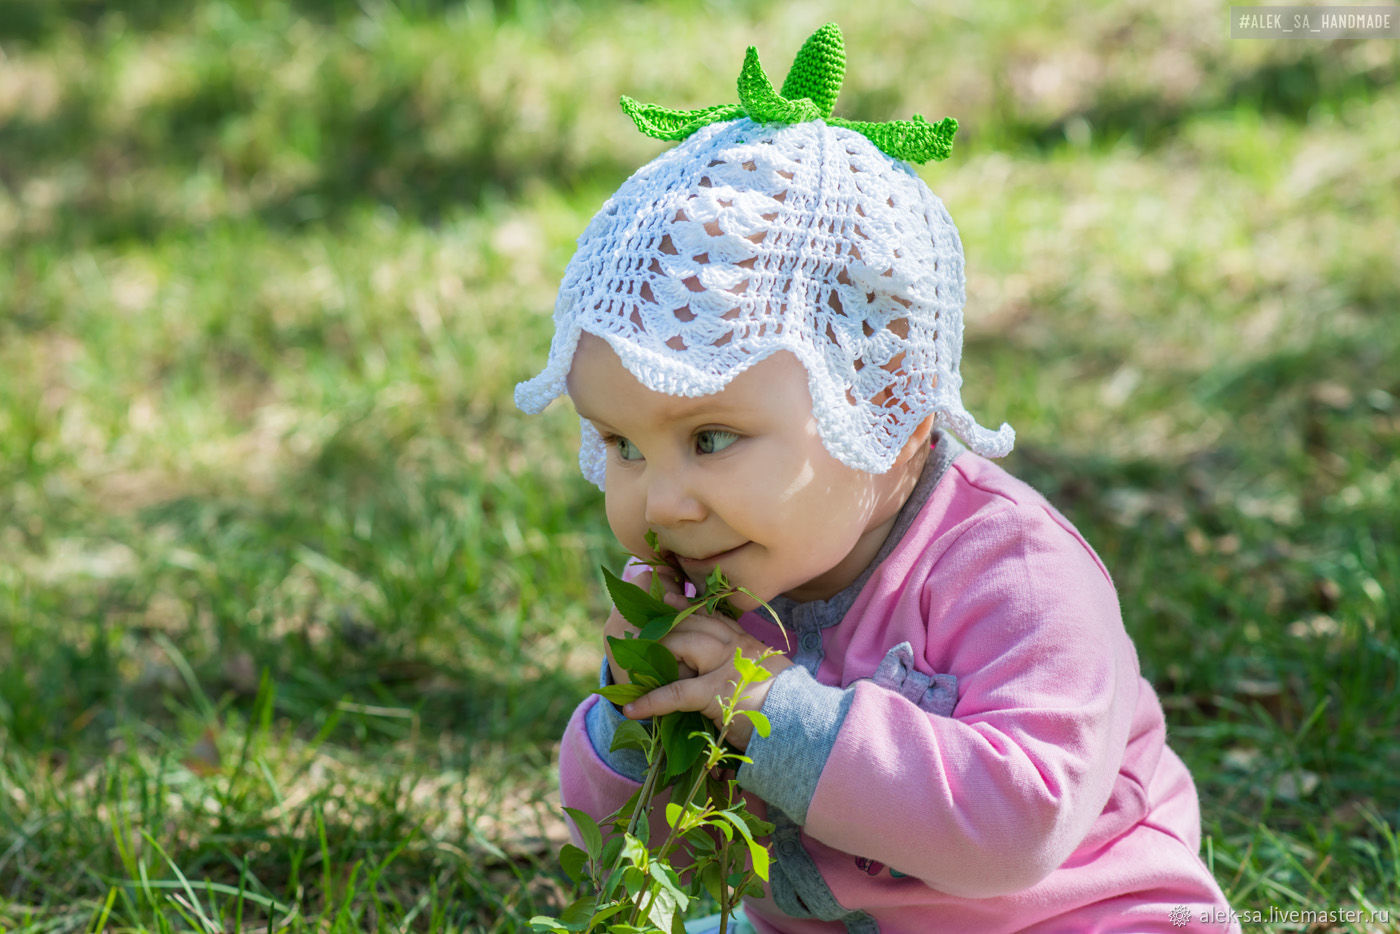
(966, 743)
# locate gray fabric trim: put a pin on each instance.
(603, 720)
(797, 885)
(936, 694)
(806, 718)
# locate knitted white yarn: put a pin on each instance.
(749, 239)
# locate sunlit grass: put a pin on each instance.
(294, 604)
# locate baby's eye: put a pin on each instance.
(712, 440)
(625, 449)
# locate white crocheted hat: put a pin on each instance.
(751, 238)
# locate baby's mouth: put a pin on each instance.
(708, 561)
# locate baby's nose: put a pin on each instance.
(670, 500)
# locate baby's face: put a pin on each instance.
(738, 479)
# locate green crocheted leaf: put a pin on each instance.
(765, 105)
(809, 93)
(664, 123)
(818, 70)
(914, 140)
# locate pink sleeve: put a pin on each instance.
(995, 797)
(588, 781)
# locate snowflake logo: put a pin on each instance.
(1180, 916)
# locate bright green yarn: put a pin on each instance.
(809, 93)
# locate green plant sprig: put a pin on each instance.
(628, 886)
(809, 93)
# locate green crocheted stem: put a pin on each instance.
(818, 70)
(809, 93)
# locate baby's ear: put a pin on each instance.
(917, 441)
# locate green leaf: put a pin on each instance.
(914, 140)
(664, 909)
(630, 734)
(683, 737)
(634, 881)
(577, 915)
(700, 842)
(611, 850)
(660, 625)
(761, 725)
(712, 880)
(818, 69)
(643, 658)
(573, 860)
(809, 93)
(677, 816)
(688, 612)
(758, 853)
(604, 914)
(670, 883)
(588, 830)
(621, 694)
(759, 828)
(765, 105)
(635, 851)
(664, 123)
(636, 605)
(756, 92)
(749, 670)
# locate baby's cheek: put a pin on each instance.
(625, 523)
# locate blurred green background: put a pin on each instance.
(294, 604)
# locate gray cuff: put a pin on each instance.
(603, 720)
(806, 717)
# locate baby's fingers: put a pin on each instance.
(700, 694)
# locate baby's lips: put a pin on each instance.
(672, 563)
(671, 585)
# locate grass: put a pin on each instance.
(293, 603)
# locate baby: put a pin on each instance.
(761, 333)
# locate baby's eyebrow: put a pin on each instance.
(708, 405)
(683, 408)
(597, 422)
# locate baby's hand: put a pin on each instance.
(674, 594)
(704, 646)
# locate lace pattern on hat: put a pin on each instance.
(747, 240)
